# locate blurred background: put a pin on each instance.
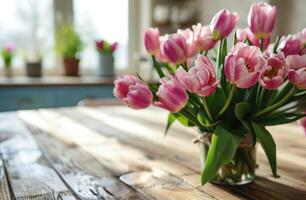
(59, 52)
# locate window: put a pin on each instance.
(102, 19)
(27, 24)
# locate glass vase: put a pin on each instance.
(241, 169)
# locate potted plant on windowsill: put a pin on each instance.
(106, 57)
(69, 46)
(7, 53)
(231, 94)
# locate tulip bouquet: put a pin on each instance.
(105, 47)
(230, 95)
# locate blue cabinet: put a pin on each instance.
(32, 97)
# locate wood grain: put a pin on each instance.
(113, 152)
(4, 187)
(85, 175)
(29, 174)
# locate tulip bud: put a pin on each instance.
(151, 39)
(261, 19)
(133, 92)
(243, 65)
(174, 49)
(200, 79)
(275, 72)
(191, 45)
(203, 37)
(172, 96)
(223, 24)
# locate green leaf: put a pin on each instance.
(268, 145)
(242, 111)
(279, 118)
(282, 92)
(216, 101)
(222, 149)
(183, 120)
(170, 121)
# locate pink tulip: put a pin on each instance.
(302, 37)
(297, 73)
(246, 34)
(200, 79)
(223, 23)
(99, 44)
(244, 65)
(290, 45)
(296, 61)
(114, 46)
(151, 39)
(275, 72)
(174, 49)
(261, 19)
(298, 78)
(191, 45)
(133, 92)
(172, 95)
(203, 37)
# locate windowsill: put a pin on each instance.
(23, 81)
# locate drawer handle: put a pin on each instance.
(25, 101)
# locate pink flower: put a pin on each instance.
(172, 95)
(114, 46)
(203, 37)
(246, 34)
(275, 72)
(298, 78)
(200, 79)
(99, 44)
(151, 40)
(133, 92)
(174, 49)
(10, 47)
(296, 61)
(290, 45)
(191, 45)
(261, 19)
(297, 73)
(223, 24)
(244, 65)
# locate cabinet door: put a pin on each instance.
(71, 96)
(26, 98)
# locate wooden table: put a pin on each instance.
(117, 153)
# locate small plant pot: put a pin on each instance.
(71, 66)
(241, 169)
(8, 71)
(106, 65)
(34, 69)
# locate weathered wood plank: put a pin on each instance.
(139, 152)
(85, 175)
(4, 187)
(29, 173)
(120, 159)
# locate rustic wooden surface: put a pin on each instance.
(113, 152)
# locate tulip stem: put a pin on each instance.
(228, 102)
(190, 116)
(206, 108)
(157, 67)
(262, 93)
(274, 106)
